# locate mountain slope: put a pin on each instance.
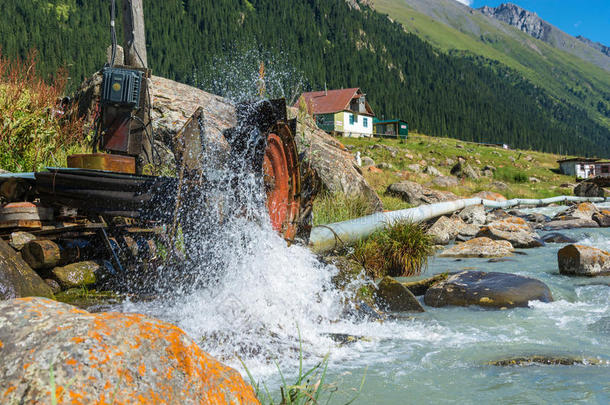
(219, 45)
(454, 27)
(538, 28)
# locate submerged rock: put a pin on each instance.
(580, 260)
(548, 360)
(513, 229)
(555, 225)
(394, 296)
(556, 237)
(106, 356)
(490, 290)
(421, 286)
(416, 194)
(17, 279)
(480, 247)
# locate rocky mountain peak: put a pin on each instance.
(520, 18)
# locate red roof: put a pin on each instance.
(331, 101)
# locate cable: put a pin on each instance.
(113, 31)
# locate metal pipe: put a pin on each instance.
(325, 238)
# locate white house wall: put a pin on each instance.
(357, 128)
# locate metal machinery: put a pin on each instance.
(110, 182)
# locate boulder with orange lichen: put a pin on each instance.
(106, 358)
(580, 260)
(513, 229)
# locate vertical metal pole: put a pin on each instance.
(135, 36)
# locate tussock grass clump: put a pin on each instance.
(399, 250)
(33, 130)
(335, 207)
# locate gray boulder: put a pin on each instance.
(385, 166)
(464, 170)
(489, 290)
(580, 260)
(432, 171)
(474, 214)
(445, 181)
(414, 167)
(587, 189)
(124, 358)
(602, 218)
(479, 247)
(583, 210)
(367, 161)
(17, 279)
(446, 229)
(416, 194)
(393, 296)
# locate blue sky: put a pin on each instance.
(590, 18)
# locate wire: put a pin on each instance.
(113, 31)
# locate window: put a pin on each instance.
(365, 122)
(351, 119)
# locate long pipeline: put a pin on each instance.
(325, 238)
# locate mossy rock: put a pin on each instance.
(394, 296)
(79, 274)
(84, 298)
(17, 279)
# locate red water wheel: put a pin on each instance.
(282, 180)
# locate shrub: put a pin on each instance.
(510, 175)
(399, 250)
(335, 207)
(33, 131)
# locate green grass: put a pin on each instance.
(309, 388)
(565, 76)
(513, 167)
(399, 250)
(511, 175)
(338, 207)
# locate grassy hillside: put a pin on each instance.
(512, 176)
(566, 76)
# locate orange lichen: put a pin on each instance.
(202, 379)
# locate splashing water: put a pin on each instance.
(246, 292)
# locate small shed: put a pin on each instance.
(582, 168)
(390, 128)
(602, 169)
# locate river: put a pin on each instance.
(273, 296)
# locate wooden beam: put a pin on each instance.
(135, 36)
